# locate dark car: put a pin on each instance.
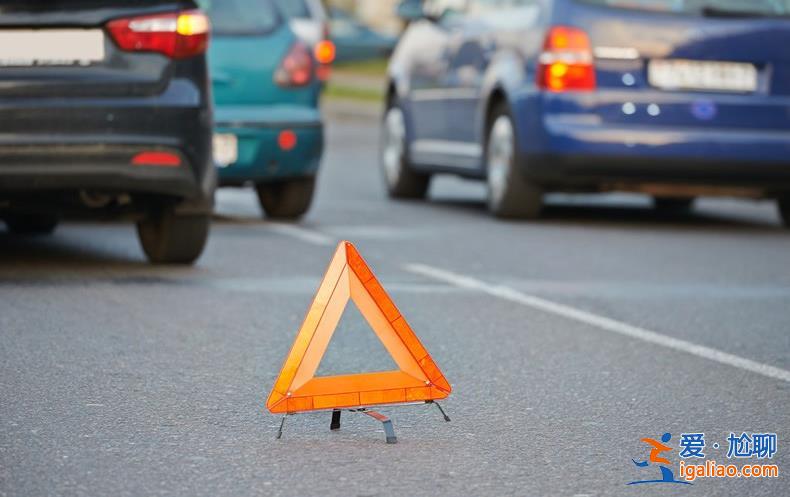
(105, 111)
(671, 98)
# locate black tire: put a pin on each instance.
(783, 203)
(673, 205)
(286, 199)
(169, 238)
(31, 224)
(510, 194)
(400, 177)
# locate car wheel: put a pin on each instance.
(31, 224)
(400, 177)
(169, 238)
(784, 209)
(510, 195)
(673, 205)
(286, 199)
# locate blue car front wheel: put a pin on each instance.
(401, 179)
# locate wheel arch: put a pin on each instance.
(391, 93)
(395, 91)
(496, 97)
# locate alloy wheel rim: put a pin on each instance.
(393, 146)
(499, 158)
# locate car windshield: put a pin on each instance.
(712, 8)
(241, 17)
(293, 8)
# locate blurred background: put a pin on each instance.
(360, 74)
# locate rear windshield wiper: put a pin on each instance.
(710, 11)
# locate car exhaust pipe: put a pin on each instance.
(97, 200)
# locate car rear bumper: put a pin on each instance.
(617, 171)
(579, 150)
(260, 158)
(71, 144)
(106, 167)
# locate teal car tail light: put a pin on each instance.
(286, 140)
(296, 68)
(325, 53)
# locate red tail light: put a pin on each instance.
(296, 69)
(287, 140)
(177, 34)
(154, 158)
(566, 62)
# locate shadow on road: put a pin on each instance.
(631, 216)
(65, 260)
(50, 257)
(226, 219)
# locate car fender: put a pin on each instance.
(399, 72)
(504, 78)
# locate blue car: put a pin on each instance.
(268, 128)
(671, 98)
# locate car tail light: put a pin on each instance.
(286, 140)
(566, 62)
(325, 52)
(296, 69)
(155, 158)
(177, 34)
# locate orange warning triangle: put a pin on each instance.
(297, 389)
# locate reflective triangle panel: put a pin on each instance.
(297, 389)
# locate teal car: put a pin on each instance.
(268, 127)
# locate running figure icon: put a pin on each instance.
(658, 448)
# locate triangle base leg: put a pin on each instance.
(446, 417)
(280, 430)
(389, 431)
(335, 424)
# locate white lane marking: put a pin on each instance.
(600, 322)
(375, 232)
(303, 234)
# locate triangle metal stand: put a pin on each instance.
(389, 430)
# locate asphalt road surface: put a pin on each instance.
(566, 341)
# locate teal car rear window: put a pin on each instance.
(723, 8)
(293, 8)
(241, 17)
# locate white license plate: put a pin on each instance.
(678, 74)
(51, 47)
(226, 149)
